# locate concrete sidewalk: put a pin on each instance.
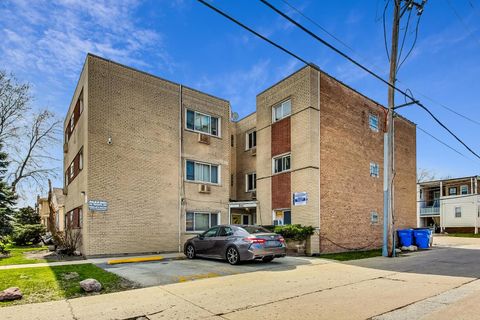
(320, 290)
(166, 256)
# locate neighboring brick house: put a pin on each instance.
(168, 162)
(451, 205)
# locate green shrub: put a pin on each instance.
(27, 234)
(4, 246)
(295, 231)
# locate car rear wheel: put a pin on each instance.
(190, 251)
(267, 259)
(233, 257)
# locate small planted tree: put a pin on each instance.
(7, 198)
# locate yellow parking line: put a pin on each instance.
(132, 260)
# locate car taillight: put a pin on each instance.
(254, 240)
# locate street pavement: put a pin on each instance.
(375, 288)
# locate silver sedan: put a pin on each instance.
(236, 243)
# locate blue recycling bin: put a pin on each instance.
(406, 237)
(422, 237)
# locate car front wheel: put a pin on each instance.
(190, 252)
(233, 257)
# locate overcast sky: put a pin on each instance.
(45, 43)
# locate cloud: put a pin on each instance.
(53, 37)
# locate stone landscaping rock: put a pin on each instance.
(412, 248)
(70, 275)
(9, 294)
(91, 285)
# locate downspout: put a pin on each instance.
(181, 190)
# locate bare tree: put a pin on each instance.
(425, 175)
(14, 103)
(31, 160)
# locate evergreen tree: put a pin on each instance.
(7, 197)
(27, 215)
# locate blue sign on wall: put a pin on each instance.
(97, 205)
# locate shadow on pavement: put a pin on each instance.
(444, 261)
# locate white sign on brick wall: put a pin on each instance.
(300, 198)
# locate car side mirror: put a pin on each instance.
(200, 237)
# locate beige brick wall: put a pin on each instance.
(140, 174)
(245, 161)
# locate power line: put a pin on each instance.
(465, 25)
(318, 25)
(401, 63)
(369, 71)
(440, 141)
(337, 51)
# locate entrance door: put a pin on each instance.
(238, 218)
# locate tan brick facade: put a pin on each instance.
(136, 144)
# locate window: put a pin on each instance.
(80, 217)
(373, 122)
(251, 140)
(203, 123)
(458, 212)
(232, 141)
(202, 172)
(374, 170)
(251, 182)
(282, 217)
(452, 191)
(281, 164)
(374, 217)
(81, 106)
(200, 221)
(72, 171)
(225, 232)
(281, 110)
(80, 161)
(464, 189)
(231, 180)
(72, 122)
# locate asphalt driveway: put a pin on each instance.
(148, 274)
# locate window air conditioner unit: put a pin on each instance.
(65, 147)
(203, 138)
(204, 188)
(254, 195)
(254, 151)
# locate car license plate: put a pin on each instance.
(272, 243)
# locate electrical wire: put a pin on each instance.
(440, 141)
(369, 71)
(450, 109)
(337, 51)
(318, 25)
(465, 25)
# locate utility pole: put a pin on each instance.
(388, 249)
(389, 138)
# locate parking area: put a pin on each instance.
(148, 274)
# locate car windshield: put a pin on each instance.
(255, 229)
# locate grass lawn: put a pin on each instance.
(464, 235)
(352, 255)
(17, 256)
(47, 283)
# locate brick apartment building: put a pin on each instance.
(165, 161)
